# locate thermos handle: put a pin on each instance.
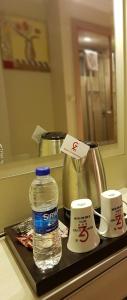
(125, 217)
(106, 221)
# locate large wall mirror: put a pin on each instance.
(78, 92)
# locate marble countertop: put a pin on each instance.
(14, 285)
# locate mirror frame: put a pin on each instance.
(11, 169)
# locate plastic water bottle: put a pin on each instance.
(43, 194)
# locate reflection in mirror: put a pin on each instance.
(29, 98)
(97, 70)
(96, 89)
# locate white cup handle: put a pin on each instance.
(106, 221)
(125, 217)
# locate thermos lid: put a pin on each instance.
(42, 171)
(91, 144)
(54, 135)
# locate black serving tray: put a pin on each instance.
(70, 265)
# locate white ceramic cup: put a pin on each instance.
(83, 234)
(112, 210)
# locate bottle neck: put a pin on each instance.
(42, 176)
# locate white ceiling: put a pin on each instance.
(104, 5)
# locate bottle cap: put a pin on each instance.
(41, 171)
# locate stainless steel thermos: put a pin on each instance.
(50, 143)
(83, 178)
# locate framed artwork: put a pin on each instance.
(24, 44)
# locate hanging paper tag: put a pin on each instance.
(37, 134)
(74, 147)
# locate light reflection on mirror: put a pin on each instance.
(35, 98)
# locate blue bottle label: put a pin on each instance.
(45, 222)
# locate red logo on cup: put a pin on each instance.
(83, 233)
(75, 146)
(119, 221)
